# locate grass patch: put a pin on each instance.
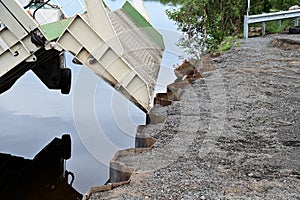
(275, 26)
(228, 43)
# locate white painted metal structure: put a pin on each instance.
(101, 50)
(15, 42)
(250, 19)
(140, 7)
(121, 46)
(248, 8)
(44, 16)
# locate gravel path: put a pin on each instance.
(235, 134)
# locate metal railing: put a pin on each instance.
(250, 19)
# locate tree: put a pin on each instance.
(205, 23)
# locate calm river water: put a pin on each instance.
(31, 115)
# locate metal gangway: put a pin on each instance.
(120, 46)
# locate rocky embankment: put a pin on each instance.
(234, 133)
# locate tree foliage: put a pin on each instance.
(207, 22)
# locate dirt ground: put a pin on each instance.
(234, 134)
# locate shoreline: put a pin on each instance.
(232, 134)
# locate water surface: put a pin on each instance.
(31, 115)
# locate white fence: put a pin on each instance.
(250, 19)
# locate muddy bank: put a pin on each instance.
(233, 134)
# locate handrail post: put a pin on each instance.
(264, 28)
(279, 23)
(245, 26)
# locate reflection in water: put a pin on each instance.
(31, 115)
(44, 177)
(24, 135)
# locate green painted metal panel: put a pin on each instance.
(143, 23)
(38, 5)
(53, 30)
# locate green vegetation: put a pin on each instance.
(274, 27)
(227, 43)
(208, 24)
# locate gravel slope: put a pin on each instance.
(235, 134)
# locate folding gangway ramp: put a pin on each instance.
(120, 46)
